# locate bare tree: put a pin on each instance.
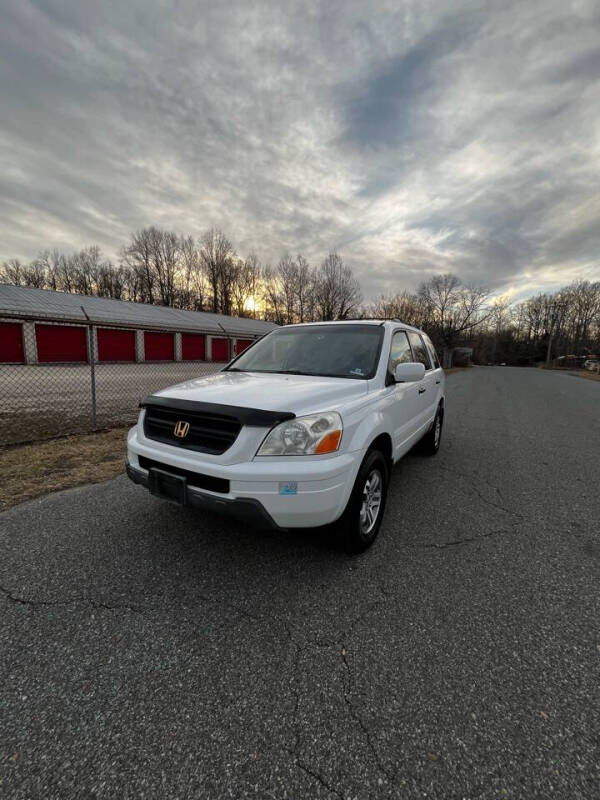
(338, 292)
(216, 254)
(166, 251)
(193, 292)
(138, 257)
(34, 275)
(243, 287)
(453, 308)
(304, 289)
(287, 271)
(409, 308)
(272, 296)
(498, 319)
(12, 272)
(49, 262)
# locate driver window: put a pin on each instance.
(400, 351)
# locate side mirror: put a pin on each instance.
(410, 372)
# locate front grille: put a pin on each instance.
(208, 433)
(209, 482)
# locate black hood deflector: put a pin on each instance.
(256, 417)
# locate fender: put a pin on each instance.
(372, 424)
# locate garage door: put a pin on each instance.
(11, 343)
(193, 347)
(159, 346)
(241, 345)
(56, 343)
(115, 345)
(220, 350)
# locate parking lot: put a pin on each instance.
(38, 402)
(152, 651)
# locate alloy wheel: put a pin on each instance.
(371, 502)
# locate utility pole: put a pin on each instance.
(555, 313)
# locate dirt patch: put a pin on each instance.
(31, 470)
(589, 376)
(450, 370)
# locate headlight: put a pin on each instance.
(304, 436)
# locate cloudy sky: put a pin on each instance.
(411, 137)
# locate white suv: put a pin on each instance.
(300, 430)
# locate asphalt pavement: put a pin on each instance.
(150, 651)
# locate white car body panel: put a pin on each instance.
(323, 483)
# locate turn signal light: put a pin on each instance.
(329, 443)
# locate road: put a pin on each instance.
(148, 651)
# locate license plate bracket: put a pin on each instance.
(167, 486)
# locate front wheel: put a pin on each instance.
(360, 523)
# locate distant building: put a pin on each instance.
(39, 326)
(461, 356)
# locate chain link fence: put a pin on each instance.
(41, 401)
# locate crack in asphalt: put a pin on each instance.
(136, 609)
(314, 774)
(356, 716)
(72, 601)
(90, 602)
(472, 478)
(349, 682)
(457, 542)
(296, 694)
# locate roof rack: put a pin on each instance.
(376, 319)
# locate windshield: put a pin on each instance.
(333, 351)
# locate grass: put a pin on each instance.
(589, 376)
(31, 470)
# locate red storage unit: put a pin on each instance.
(159, 346)
(193, 347)
(61, 343)
(11, 343)
(115, 345)
(220, 350)
(241, 345)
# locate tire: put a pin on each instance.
(359, 525)
(430, 443)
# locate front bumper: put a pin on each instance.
(248, 510)
(258, 488)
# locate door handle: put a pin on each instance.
(422, 389)
(438, 381)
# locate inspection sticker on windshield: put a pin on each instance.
(288, 487)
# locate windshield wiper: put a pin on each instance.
(291, 372)
(310, 374)
(234, 369)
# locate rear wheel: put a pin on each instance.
(360, 523)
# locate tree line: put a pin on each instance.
(206, 274)
(541, 328)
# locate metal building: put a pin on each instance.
(39, 326)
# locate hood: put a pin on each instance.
(300, 394)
